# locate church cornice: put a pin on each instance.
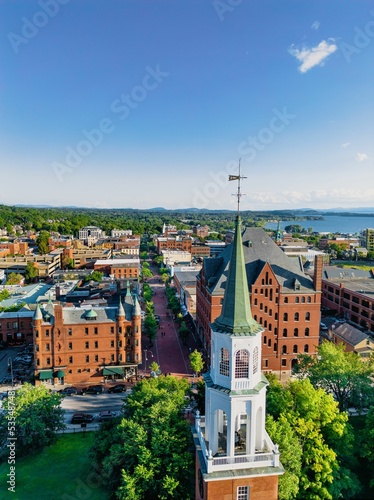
(229, 392)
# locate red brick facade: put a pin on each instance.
(84, 347)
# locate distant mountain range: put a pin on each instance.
(297, 211)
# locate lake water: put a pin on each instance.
(332, 224)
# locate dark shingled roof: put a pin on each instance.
(350, 334)
(258, 248)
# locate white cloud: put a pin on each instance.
(345, 144)
(361, 156)
(314, 56)
(316, 25)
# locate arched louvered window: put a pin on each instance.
(224, 362)
(242, 364)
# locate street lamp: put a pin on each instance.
(146, 359)
(10, 363)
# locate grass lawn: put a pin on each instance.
(60, 472)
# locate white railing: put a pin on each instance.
(215, 464)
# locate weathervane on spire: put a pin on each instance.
(238, 178)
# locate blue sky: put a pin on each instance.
(135, 103)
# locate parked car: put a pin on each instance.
(68, 391)
(81, 418)
(117, 388)
(323, 326)
(106, 415)
(92, 389)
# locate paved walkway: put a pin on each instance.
(168, 350)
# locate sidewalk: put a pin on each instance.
(168, 350)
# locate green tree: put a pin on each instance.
(324, 435)
(184, 333)
(42, 242)
(196, 361)
(94, 276)
(67, 262)
(4, 294)
(31, 271)
(282, 433)
(14, 279)
(145, 454)
(340, 373)
(150, 326)
(37, 415)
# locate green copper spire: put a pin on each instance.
(236, 316)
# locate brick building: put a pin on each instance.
(284, 300)
(350, 292)
(202, 231)
(16, 327)
(119, 268)
(183, 243)
(84, 345)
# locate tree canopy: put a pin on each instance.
(37, 415)
(310, 415)
(341, 373)
(146, 453)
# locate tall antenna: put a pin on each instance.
(238, 178)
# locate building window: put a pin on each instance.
(285, 317)
(96, 358)
(306, 348)
(269, 343)
(48, 361)
(70, 359)
(275, 347)
(70, 346)
(46, 332)
(295, 349)
(255, 360)
(296, 316)
(284, 349)
(309, 299)
(297, 300)
(96, 344)
(265, 341)
(70, 331)
(87, 345)
(302, 299)
(112, 343)
(47, 347)
(284, 332)
(112, 357)
(86, 331)
(307, 316)
(224, 362)
(306, 332)
(120, 329)
(255, 302)
(284, 362)
(242, 364)
(112, 329)
(242, 493)
(266, 363)
(286, 300)
(87, 359)
(96, 330)
(296, 332)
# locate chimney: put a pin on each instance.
(317, 280)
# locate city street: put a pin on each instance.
(167, 350)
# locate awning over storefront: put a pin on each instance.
(113, 370)
(45, 375)
(60, 374)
